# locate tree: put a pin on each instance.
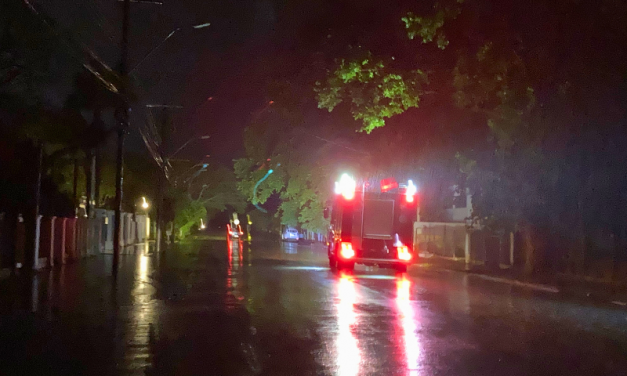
(546, 89)
(200, 193)
(375, 90)
(300, 177)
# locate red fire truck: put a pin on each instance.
(372, 224)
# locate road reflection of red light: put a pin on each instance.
(235, 258)
(348, 354)
(408, 324)
(230, 254)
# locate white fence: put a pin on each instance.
(60, 239)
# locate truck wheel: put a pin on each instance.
(401, 268)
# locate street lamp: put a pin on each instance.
(145, 204)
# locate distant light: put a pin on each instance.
(204, 137)
(236, 222)
(202, 225)
(346, 187)
(202, 25)
(271, 102)
(204, 165)
(145, 203)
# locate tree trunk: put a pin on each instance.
(582, 228)
(528, 252)
(75, 185)
(31, 255)
(98, 176)
(618, 251)
(531, 249)
(90, 166)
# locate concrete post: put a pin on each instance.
(467, 247)
(36, 264)
(52, 240)
(468, 203)
(468, 233)
(62, 239)
(511, 249)
(70, 238)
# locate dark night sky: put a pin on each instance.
(252, 42)
(249, 43)
(190, 67)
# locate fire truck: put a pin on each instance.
(372, 224)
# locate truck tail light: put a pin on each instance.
(403, 253)
(346, 250)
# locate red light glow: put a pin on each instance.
(388, 184)
(403, 253)
(348, 352)
(411, 344)
(346, 250)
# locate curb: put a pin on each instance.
(487, 277)
(515, 282)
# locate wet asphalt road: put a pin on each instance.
(269, 309)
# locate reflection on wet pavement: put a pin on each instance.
(228, 308)
(408, 323)
(348, 354)
(144, 311)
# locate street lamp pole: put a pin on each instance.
(123, 122)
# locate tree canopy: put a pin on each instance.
(544, 83)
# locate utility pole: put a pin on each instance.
(165, 132)
(31, 256)
(123, 120)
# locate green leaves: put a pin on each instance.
(430, 28)
(201, 192)
(188, 214)
(375, 91)
(278, 141)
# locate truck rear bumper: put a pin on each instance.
(378, 261)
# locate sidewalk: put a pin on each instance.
(572, 286)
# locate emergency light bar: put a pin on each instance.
(346, 187)
(410, 192)
(388, 184)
